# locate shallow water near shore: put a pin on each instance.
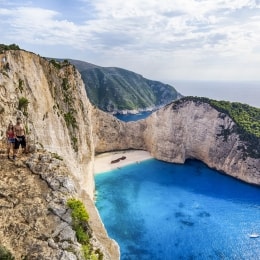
(157, 210)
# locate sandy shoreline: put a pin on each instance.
(103, 161)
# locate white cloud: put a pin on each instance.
(36, 25)
(172, 38)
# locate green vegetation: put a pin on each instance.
(2, 110)
(20, 85)
(247, 121)
(5, 74)
(23, 105)
(56, 156)
(80, 219)
(70, 120)
(40, 144)
(59, 64)
(27, 130)
(5, 254)
(65, 84)
(80, 224)
(65, 101)
(69, 117)
(4, 47)
(247, 117)
(112, 89)
(56, 64)
(75, 143)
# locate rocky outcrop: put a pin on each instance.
(111, 134)
(35, 221)
(181, 131)
(57, 114)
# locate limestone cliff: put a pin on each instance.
(52, 101)
(180, 131)
(58, 115)
(62, 124)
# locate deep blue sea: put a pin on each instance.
(244, 92)
(135, 117)
(157, 210)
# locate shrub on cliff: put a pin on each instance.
(5, 254)
(23, 105)
(247, 117)
(13, 46)
(80, 224)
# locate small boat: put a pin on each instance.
(254, 235)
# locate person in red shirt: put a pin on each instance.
(10, 139)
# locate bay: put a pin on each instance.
(156, 210)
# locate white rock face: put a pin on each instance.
(176, 133)
(58, 119)
(192, 130)
(110, 134)
(33, 77)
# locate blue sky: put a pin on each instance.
(165, 40)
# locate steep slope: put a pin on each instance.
(187, 128)
(52, 101)
(116, 90)
(35, 220)
(53, 105)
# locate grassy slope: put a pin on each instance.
(118, 89)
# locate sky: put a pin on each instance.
(165, 40)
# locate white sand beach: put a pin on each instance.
(103, 161)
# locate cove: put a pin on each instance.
(157, 210)
(133, 117)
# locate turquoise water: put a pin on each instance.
(157, 210)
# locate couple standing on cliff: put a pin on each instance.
(15, 138)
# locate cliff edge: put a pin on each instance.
(186, 129)
(51, 99)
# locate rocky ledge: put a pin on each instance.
(35, 220)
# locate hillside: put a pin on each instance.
(51, 100)
(115, 89)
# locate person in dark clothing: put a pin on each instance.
(20, 139)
